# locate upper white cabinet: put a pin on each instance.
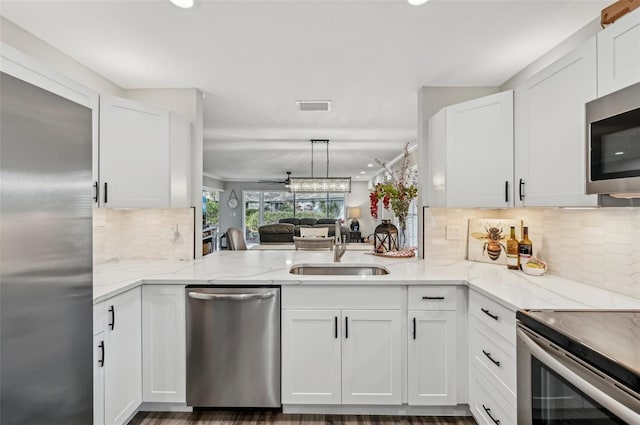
(619, 54)
(144, 156)
(550, 132)
(471, 153)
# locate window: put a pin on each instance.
(262, 207)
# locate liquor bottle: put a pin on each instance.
(513, 250)
(526, 247)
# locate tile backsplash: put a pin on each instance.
(599, 246)
(140, 234)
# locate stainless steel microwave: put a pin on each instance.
(613, 144)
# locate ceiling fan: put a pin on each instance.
(284, 182)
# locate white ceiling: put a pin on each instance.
(254, 59)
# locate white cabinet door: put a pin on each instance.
(480, 152)
(163, 344)
(123, 357)
(180, 153)
(371, 367)
(134, 154)
(98, 379)
(432, 358)
(550, 131)
(619, 54)
(311, 357)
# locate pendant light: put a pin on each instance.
(320, 184)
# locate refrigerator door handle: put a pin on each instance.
(231, 297)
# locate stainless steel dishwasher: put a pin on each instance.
(233, 346)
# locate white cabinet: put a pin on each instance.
(98, 377)
(550, 132)
(122, 357)
(619, 54)
(144, 156)
(311, 357)
(371, 367)
(471, 153)
(433, 346)
(163, 344)
(341, 345)
(492, 360)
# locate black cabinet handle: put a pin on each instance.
(101, 361)
(335, 323)
(521, 189)
(112, 310)
(106, 198)
(414, 328)
(506, 191)
(96, 192)
(433, 298)
(493, 316)
(495, 362)
(346, 327)
(486, 409)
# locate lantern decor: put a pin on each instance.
(386, 238)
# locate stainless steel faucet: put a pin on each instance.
(340, 246)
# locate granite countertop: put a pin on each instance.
(512, 289)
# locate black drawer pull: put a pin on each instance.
(506, 191)
(433, 298)
(106, 196)
(414, 328)
(493, 316)
(521, 190)
(486, 409)
(101, 361)
(96, 192)
(335, 322)
(495, 362)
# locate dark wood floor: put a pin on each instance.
(233, 417)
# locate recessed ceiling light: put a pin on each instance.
(417, 2)
(619, 153)
(185, 4)
(362, 172)
(369, 165)
(357, 177)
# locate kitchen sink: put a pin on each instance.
(339, 269)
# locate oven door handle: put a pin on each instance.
(608, 402)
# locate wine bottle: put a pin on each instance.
(526, 247)
(513, 250)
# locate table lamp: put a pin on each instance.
(354, 215)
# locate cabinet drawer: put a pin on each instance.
(486, 404)
(432, 297)
(493, 356)
(495, 316)
(98, 318)
(342, 297)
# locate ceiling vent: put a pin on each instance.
(314, 105)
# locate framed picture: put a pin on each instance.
(487, 240)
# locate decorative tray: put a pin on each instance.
(404, 253)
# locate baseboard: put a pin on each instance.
(165, 407)
(403, 410)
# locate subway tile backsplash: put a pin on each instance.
(142, 234)
(600, 246)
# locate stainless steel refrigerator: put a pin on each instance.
(45, 257)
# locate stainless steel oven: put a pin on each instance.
(613, 143)
(578, 367)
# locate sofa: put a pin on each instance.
(287, 228)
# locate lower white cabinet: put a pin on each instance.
(98, 378)
(341, 356)
(335, 350)
(163, 344)
(432, 358)
(121, 359)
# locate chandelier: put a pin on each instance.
(320, 184)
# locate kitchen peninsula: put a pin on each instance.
(436, 322)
